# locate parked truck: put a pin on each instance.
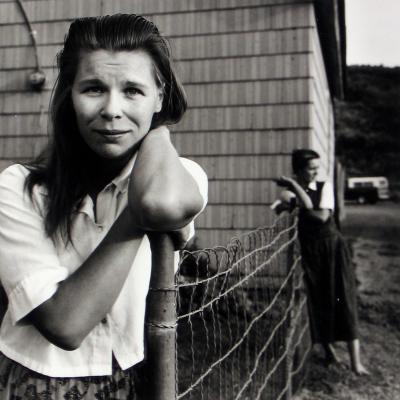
(367, 189)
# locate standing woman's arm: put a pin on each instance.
(304, 199)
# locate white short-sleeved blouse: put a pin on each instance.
(327, 195)
(31, 266)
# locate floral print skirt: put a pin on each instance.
(20, 383)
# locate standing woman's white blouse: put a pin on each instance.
(327, 195)
(31, 266)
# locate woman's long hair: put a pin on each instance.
(67, 164)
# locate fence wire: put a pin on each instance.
(242, 324)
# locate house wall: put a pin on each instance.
(322, 137)
(253, 73)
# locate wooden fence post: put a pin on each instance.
(161, 322)
(289, 294)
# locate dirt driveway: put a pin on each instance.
(374, 234)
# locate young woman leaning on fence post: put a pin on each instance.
(75, 257)
(329, 276)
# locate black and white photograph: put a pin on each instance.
(199, 200)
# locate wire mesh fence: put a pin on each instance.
(242, 329)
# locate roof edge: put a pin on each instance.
(331, 26)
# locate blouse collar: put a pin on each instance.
(312, 185)
(121, 181)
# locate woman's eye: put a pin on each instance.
(132, 92)
(94, 91)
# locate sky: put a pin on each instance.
(373, 32)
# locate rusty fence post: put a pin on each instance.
(161, 322)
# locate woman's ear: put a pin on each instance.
(160, 98)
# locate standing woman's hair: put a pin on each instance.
(68, 163)
(301, 157)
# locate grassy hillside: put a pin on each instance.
(368, 122)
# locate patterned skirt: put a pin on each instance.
(20, 383)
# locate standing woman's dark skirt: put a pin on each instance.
(330, 283)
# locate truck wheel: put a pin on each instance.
(361, 199)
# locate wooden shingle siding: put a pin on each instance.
(320, 132)
(244, 118)
(268, 14)
(287, 41)
(23, 125)
(218, 235)
(239, 191)
(320, 90)
(253, 74)
(282, 41)
(24, 103)
(244, 217)
(244, 167)
(322, 138)
(198, 71)
(244, 93)
(21, 148)
(238, 19)
(239, 142)
(196, 119)
(319, 94)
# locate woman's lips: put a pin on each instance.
(111, 132)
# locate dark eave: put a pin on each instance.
(330, 15)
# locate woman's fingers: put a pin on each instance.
(282, 181)
(180, 237)
(161, 130)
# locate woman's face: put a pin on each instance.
(115, 96)
(310, 171)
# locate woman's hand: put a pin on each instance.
(180, 237)
(161, 131)
(293, 186)
(285, 181)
